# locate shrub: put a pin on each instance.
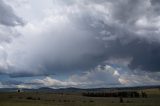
(91, 101)
(29, 98)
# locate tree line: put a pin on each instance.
(127, 94)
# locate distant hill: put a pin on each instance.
(76, 90)
(8, 89)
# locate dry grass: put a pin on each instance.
(52, 99)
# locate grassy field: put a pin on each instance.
(53, 99)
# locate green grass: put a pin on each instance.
(51, 99)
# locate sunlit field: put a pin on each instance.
(75, 99)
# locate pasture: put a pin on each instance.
(75, 99)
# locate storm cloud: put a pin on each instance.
(74, 37)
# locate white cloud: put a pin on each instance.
(130, 79)
(99, 77)
(50, 82)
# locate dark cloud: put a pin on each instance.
(144, 55)
(156, 6)
(81, 35)
(11, 82)
(128, 11)
(155, 1)
(8, 17)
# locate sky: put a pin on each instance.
(79, 43)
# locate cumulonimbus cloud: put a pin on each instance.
(80, 35)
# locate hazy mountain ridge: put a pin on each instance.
(72, 89)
